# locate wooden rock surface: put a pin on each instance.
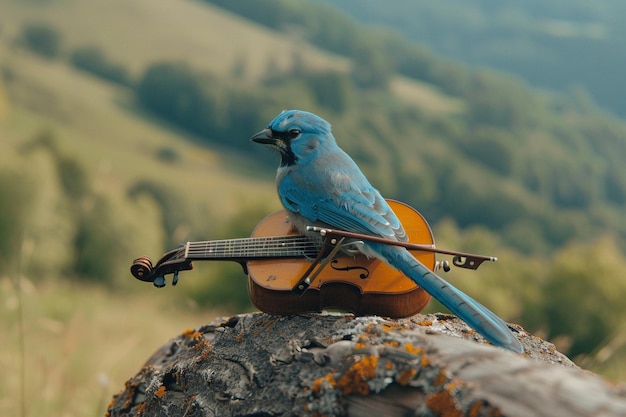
(340, 365)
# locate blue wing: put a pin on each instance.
(350, 206)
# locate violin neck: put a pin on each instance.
(246, 249)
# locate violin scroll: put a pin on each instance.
(171, 263)
(142, 269)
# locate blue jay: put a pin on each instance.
(320, 185)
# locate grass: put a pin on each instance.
(425, 96)
(200, 34)
(82, 343)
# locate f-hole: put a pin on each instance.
(363, 275)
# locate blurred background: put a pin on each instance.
(125, 126)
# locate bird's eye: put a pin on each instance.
(294, 133)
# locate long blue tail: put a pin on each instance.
(477, 316)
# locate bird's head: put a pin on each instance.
(298, 136)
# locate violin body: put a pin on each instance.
(356, 284)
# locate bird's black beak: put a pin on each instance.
(264, 136)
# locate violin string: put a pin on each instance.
(262, 245)
(253, 243)
(250, 247)
(259, 239)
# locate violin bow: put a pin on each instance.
(460, 259)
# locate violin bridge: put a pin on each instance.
(321, 262)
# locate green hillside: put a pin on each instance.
(561, 44)
(124, 131)
(140, 34)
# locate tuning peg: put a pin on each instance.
(159, 281)
(175, 279)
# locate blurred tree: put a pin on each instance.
(168, 154)
(371, 67)
(492, 147)
(583, 296)
(500, 101)
(42, 38)
(615, 185)
(73, 177)
(96, 246)
(196, 101)
(331, 90)
(572, 187)
(239, 68)
(92, 59)
(172, 90)
(16, 195)
(4, 102)
(173, 215)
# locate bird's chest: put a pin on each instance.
(313, 179)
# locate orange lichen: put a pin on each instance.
(441, 378)
(206, 350)
(202, 344)
(412, 349)
(442, 404)
(360, 345)
(327, 341)
(160, 393)
(371, 328)
(129, 392)
(406, 376)
(191, 334)
(480, 408)
(389, 366)
(141, 408)
(475, 408)
(354, 380)
(425, 323)
(452, 385)
(189, 404)
(111, 403)
(392, 343)
(319, 382)
(390, 326)
(204, 347)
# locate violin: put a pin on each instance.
(280, 264)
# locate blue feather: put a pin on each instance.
(477, 316)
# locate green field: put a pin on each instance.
(81, 344)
